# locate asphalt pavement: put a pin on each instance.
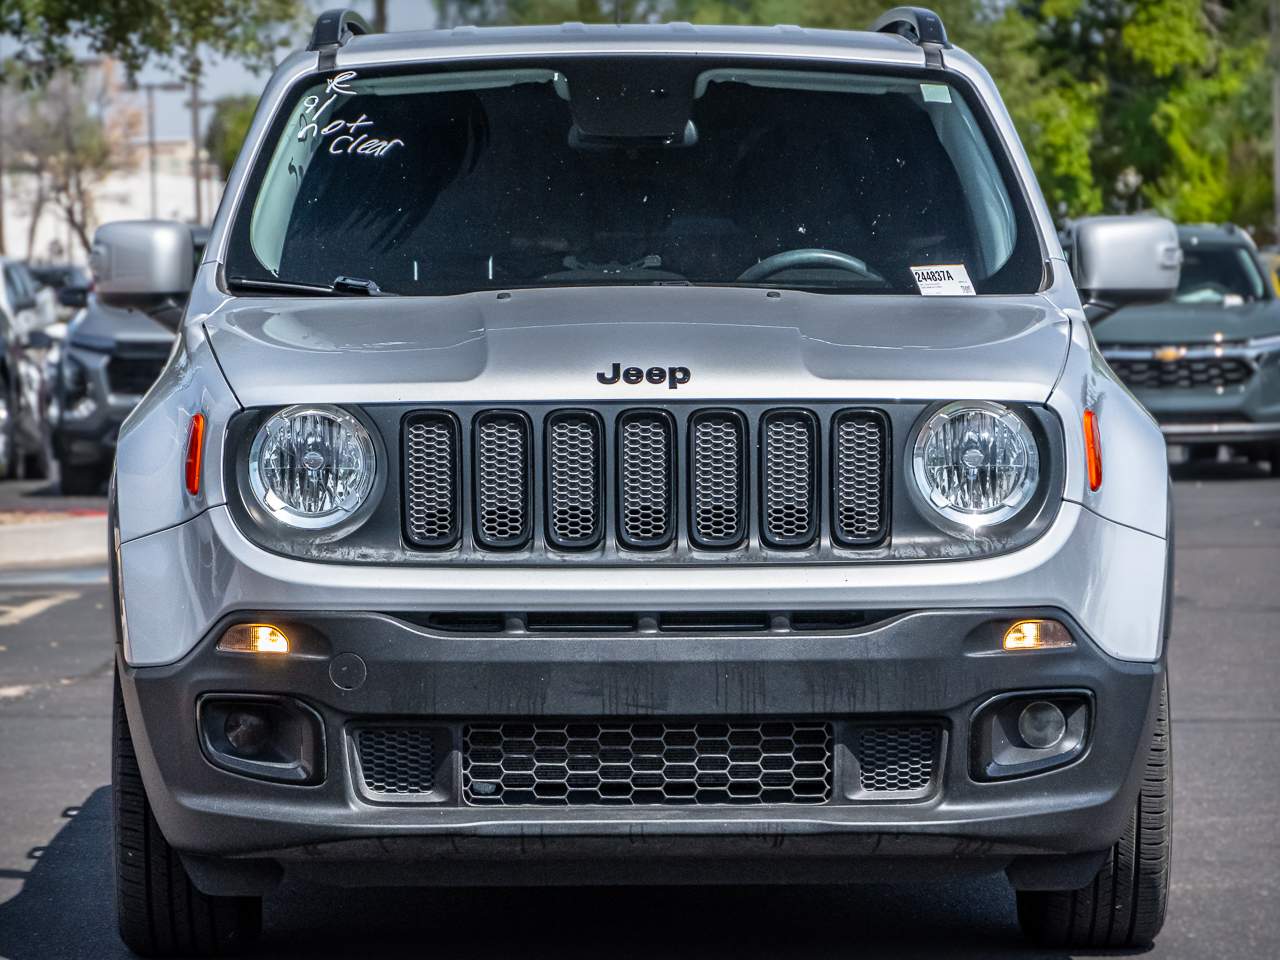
(56, 898)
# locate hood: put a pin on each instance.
(551, 343)
(1181, 323)
(102, 326)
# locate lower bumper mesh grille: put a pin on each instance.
(396, 761)
(634, 763)
(896, 759)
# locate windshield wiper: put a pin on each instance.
(341, 287)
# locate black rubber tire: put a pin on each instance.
(1125, 905)
(82, 481)
(1202, 453)
(159, 912)
(9, 464)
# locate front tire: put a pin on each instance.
(1125, 905)
(159, 912)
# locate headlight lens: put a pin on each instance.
(311, 467)
(976, 463)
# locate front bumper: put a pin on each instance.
(935, 666)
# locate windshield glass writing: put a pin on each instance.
(431, 184)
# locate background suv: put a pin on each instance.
(1207, 363)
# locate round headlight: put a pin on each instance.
(311, 467)
(976, 463)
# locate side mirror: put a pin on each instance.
(1124, 260)
(74, 297)
(142, 258)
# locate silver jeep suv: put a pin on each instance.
(683, 447)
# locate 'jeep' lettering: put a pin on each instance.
(673, 377)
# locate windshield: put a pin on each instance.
(429, 184)
(1219, 275)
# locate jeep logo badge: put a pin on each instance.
(673, 377)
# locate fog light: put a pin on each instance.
(1037, 635)
(1041, 725)
(254, 638)
(247, 731)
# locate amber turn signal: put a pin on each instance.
(195, 453)
(1037, 635)
(1093, 449)
(254, 638)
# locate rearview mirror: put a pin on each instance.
(142, 258)
(1124, 260)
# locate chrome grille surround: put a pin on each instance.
(431, 478)
(502, 475)
(646, 475)
(574, 478)
(789, 474)
(718, 500)
(859, 491)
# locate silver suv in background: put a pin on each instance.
(653, 454)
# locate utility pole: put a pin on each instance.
(195, 104)
(4, 138)
(150, 90)
(1275, 116)
(379, 24)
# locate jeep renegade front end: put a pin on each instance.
(650, 454)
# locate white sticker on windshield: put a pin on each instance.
(935, 92)
(943, 280)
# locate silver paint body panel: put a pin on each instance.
(185, 564)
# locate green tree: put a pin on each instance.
(137, 31)
(228, 126)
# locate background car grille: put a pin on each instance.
(134, 375)
(622, 762)
(624, 481)
(1187, 372)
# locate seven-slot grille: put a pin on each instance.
(640, 476)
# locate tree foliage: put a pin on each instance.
(137, 31)
(228, 126)
(1121, 105)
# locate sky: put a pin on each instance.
(229, 77)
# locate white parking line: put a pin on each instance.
(11, 616)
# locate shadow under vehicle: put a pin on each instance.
(1207, 362)
(113, 351)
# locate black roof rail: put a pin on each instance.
(921, 26)
(332, 30)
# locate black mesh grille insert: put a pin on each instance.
(134, 375)
(858, 481)
(896, 759)
(502, 479)
(717, 479)
(635, 763)
(431, 465)
(645, 508)
(1187, 372)
(574, 464)
(789, 474)
(398, 761)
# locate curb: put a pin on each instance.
(49, 543)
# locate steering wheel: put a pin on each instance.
(807, 257)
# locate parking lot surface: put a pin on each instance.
(56, 898)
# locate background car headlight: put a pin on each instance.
(311, 467)
(975, 463)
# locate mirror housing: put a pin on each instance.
(1124, 260)
(143, 258)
